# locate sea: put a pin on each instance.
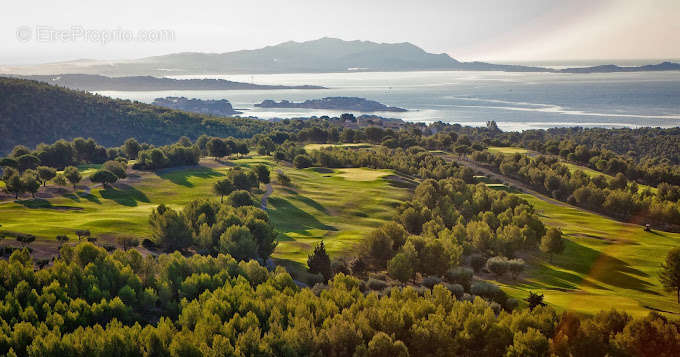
(515, 101)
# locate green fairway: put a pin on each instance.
(312, 147)
(339, 206)
(606, 264)
(507, 150)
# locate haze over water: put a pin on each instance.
(516, 101)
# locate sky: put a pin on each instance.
(41, 31)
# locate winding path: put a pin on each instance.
(263, 203)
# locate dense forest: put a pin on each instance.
(36, 112)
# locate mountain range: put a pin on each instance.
(317, 56)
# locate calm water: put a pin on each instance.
(516, 101)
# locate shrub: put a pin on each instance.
(302, 161)
(283, 178)
(455, 289)
(497, 265)
(431, 281)
(516, 267)
(460, 275)
(488, 291)
(477, 262)
(375, 284)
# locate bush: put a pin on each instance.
(477, 262)
(516, 267)
(283, 179)
(489, 291)
(302, 161)
(240, 198)
(431, 281)
(375, 284)
(460, 275)
(455, 289)
(497, 265)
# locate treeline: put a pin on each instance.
(89, 303)
(616, 197)
(651, 172)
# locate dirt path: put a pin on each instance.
(523, 187)
(519, 185)
(266, 195)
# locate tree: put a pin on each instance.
(13, 184)
(262, 173)
(223, 188)
(670, 273)
(217, 148)
(82, 233)
(117, 168)
(240, 198)
(401, 267)
(131, 148)
(30, 183)
(302, 161)
(169, 229)
(238, 242)
(552, 242)
(62, 238)
(319, 262)
(27, 162)
(497, 265)
(25, 239)
(46, 173)
(534, 300)
(73, 176)
(105, 177)
(60, 180)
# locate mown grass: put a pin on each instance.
(312, 147)
(122, 209)
(507, 150)
(606, 264)
(339, 206)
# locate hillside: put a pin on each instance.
(35, 112)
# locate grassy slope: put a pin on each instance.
(339, 206)
(606, 264)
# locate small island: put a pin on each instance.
(336, 103)
(220, 107)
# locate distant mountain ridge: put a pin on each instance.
(318, 56)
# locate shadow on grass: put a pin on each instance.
(90, 197)
(72, 196)
(125, 195)
(41, 203)
(287, 217)
(181, 175)
(310, 202)
(598, 266)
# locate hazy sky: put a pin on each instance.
(490, 30)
